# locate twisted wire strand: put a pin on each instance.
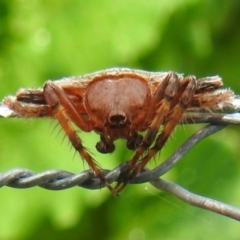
(197, 200)
(58, 179)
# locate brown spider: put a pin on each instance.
(120, 103)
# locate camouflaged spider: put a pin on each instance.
(121, 103)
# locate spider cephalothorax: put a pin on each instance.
(121, 103)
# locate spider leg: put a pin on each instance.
(173, 118)
(170, 109)
(165, 91)
(23, 109)
(61, 106)
(163, 95)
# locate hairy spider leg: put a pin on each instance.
(172, 114)
(166, 90)
(26, 109)
(158, 96)
(60, 104)
(163, 94)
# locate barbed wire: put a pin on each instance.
(59, 180)
(197, 200)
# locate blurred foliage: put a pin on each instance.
(42, 40)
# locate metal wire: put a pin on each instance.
(197, 200)
(59, 180)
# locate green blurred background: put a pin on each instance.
(42, 40)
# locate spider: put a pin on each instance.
(122, 103)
